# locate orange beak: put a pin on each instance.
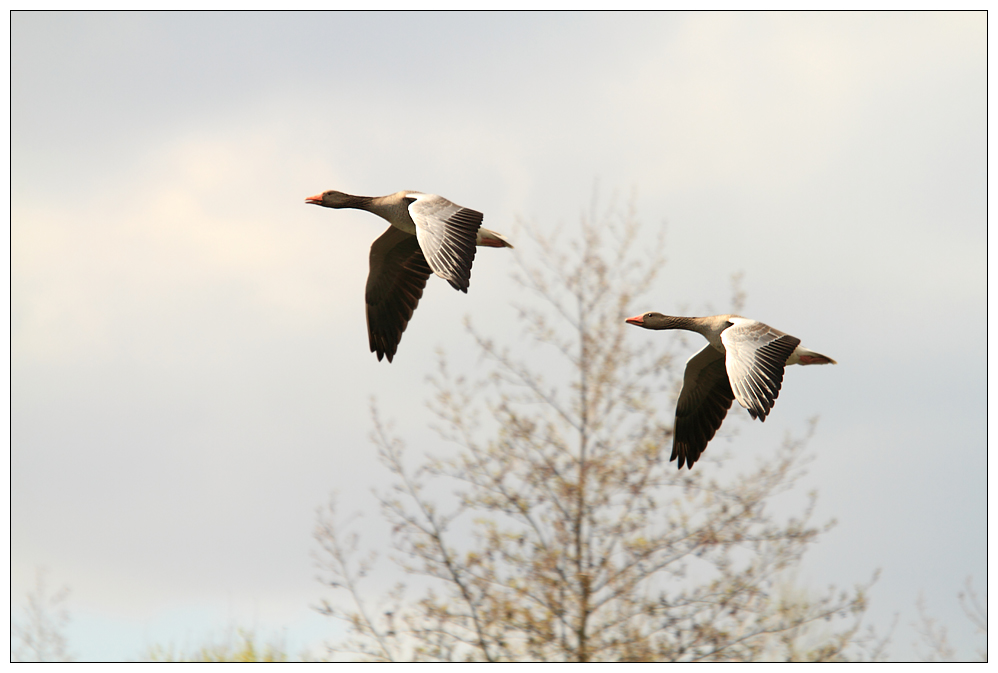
(317, 199)
(636, 320)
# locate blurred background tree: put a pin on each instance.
(933, 638)
(40, 633)
(572, 537)
(242, 646)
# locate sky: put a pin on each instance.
(190, 375)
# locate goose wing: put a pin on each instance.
(395, 284)
(756, 357)
(703, 404)
(446, 234)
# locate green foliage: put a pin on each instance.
(246, 648)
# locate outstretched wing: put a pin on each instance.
(446, 234)
(394, 286)
(756, 357)
(702, 406)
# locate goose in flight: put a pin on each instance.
(744, 360)
(428, 234)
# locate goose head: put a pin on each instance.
(332, 199)
(649, 320)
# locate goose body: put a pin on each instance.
(743, 360)
(428, 235)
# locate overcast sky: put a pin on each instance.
(190, 375)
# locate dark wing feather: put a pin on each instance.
(394, 286)
(702, 406)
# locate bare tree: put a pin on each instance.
(935, 637)
(571, 537)
(977, 613)
(932, 635)
(41, 633)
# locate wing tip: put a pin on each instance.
(685, 453)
